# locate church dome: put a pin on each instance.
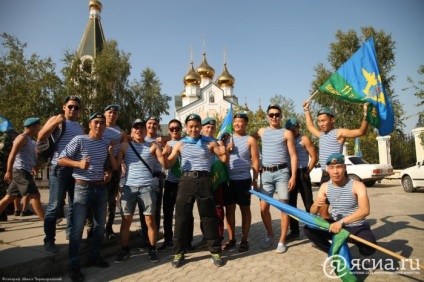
(225, 78)
(95, 4)
(192, 78)
(205, 70)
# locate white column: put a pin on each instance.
(419, 148)
(384, 149)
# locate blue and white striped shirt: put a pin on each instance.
(194, 157)
(137, 174)
(301, 152)
(240, 158)
(73, 129)
(328, 145)
(113, 134)
(274, 148)
(157, 167)
(25, 158)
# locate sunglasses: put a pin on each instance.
(274, 115)
(73, 107)
(173, 129)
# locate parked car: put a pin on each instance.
(412, 178)
(358, 169)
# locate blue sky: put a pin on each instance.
(271, 46)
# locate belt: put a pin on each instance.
(83, 182)
(196, 174)
(274, 168)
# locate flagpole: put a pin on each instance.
(385, 250)
(315, 93)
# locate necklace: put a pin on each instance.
(337, 196)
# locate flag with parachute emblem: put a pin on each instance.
(358, 80)
(227, 124)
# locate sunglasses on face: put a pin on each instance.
(73, 107)
(174, 129)
(277, 115)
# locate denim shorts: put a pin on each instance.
(145, 195)
(276, 181)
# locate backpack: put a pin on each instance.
(45, 149)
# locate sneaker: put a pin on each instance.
(153, 256)
(166, 245)
(27, 213)
(51, 247)
(122, 256)
(177, 261)
(17, 213)
(109, 234)
(98, 262)
(202, 244)
(244, 247)
(293, 236)
(76, 275)
(229, 245)
(267, 242)
(217, 260)
(281, 248)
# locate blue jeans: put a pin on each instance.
(87, 196)
(60, 182)
(276, 181)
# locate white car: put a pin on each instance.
(412, 178)
(358, 169)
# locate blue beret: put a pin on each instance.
(138, 121)
(31, 121)
(113, 108)
(336, 158)
(291, 123)
(72, 97)
(96, 115)
(325, 111)
(193, 116)
(209, 120)
(241, 115)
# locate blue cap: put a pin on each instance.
(291, 123)
(115, 108)
(325, 111)
(193, 116)
(335, 158)
(209, 120)
(241, 115)
(72, 97)
(96, 115)
(31, 121)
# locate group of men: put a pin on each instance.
(86, 169)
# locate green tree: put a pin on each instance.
(419, 93)
(27, 85)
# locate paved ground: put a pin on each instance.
(397, 219)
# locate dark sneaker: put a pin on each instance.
(166, 245)
(98, 262)
(293, 236)
(17, 213)
(244, 246)
(109, 234)
(122, 256)
(177, 261)
(51, 247)
(153, 256)
(217, 260)
(27, 213)
(189, 247)
(229, 245)
(76, 275)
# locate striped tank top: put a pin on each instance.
(194, 157)
(343, 202)
(25, 158)
(301, 152)
(240, 158)
(73, 129)
(328, 145)
(136, 171)
(274, 148)
(169, 175)
(157, 167)
(113, 134)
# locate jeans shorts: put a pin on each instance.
(144, 195)
(276, 181)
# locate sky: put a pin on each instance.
(271, 47)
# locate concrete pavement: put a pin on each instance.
(397, 220)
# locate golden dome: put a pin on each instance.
(96, 4)
(192, 78)
(225, 78)
(205, 70)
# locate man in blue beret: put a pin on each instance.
(20, 163)
(350, 207)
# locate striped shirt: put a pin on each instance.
(73, 129)
(328, 144)
(194, 157)
(25, 158)
(136, 171)
(157, 167)
(301, 152)
(274, 148)
(240, 158)
(170, 176)
(343, 202)
(83, 146)
(113, 134)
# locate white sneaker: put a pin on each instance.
(281, 248)
(267, 242)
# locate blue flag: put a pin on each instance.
(358, 152)
(227, 124)
(358, 80)
(5, 124)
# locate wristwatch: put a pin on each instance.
(341, 221)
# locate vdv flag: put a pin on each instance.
(339, 249)
(227, 124)
(358, 80)
(358, 152)
(5, 124)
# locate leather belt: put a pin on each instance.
(83, 182)
(274, 168)
(196, 174)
